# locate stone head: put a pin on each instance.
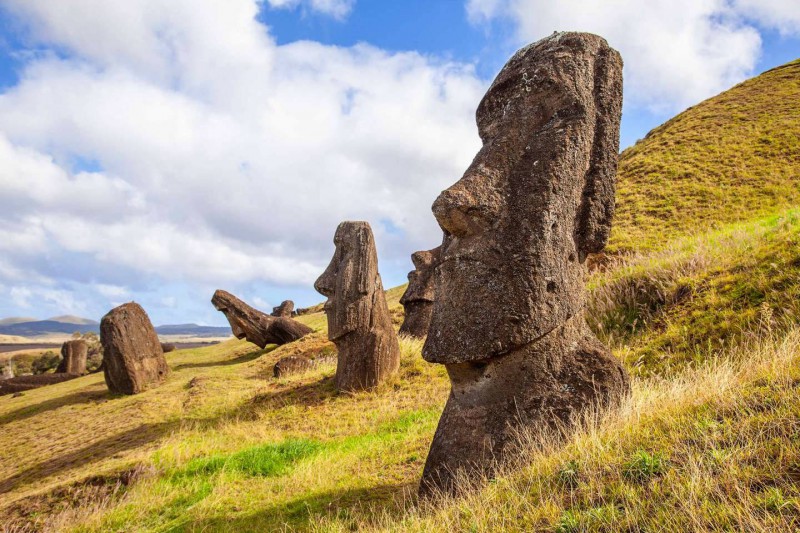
(230, 305)
(350, 279)
(538, 197)
(420, 280)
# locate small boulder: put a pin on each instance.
(167, 347)
(291, 364)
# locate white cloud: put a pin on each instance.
(223, 158)
(338, 9)
(676, 53)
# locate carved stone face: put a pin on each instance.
(420, 280)
(350, 278)
(536, 199)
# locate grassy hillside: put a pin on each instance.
(702, 308)
(733, 157)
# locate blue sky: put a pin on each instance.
(157, 151)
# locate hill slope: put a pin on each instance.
(733, 157)
(704, 315)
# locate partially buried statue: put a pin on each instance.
(358, 317)
(418, 299)
(74, 354)
(257, 327)
(133, 359)
(508, 318)
(283, 310)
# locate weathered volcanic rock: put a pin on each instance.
(257, 327)
(291, 364)
(167, 347)
(283, 310)
(358, 317)
(74, 354)
(23, 383)
(418, 299)
(508, 314)
(132, 356)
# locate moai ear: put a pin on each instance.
(597, 202)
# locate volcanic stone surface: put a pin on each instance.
(167, 347)
(74, 354)
(257, 327)
(133, 360)
(283, 310)
(358, 316)
(418, 299)
(538, 198)
(291, 364)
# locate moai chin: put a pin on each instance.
(358, 317)
(418, 299)
(508, 317)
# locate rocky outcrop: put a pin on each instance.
(417, 301)
(508, 319)
(284, 310)
(358, 316)
(257, 327)
(73, 357)
(133, 360)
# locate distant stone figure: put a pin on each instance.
(133, 360)
(358, 317)
(418, 299)
(257, 327)
(167, 347)
(74, 354)
(284, 310)
(508, 318)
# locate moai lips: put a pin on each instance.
(358, 316)
(508, 319)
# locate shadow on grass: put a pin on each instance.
(86, 396)
(309, 395)
(303, 514)
(96, 451)
(249, 356)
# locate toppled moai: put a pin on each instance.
(418, 299)
(259, 328)
(284, 310)
(508, 317)
(358, 316)
(133, 360)
(73, 357)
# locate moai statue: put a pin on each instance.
(283, 310)
(508, 318)
(358, 317)
(132, 356)
(418, 299)
(73, 354)
(257, 327)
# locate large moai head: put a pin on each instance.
(538, 197)
(418, 298)
(350, 280)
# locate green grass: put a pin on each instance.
(699, 297)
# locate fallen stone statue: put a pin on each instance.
(358, 316)
(508, 317)
(284, 310)
(259, 328)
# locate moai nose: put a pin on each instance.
(460, 213)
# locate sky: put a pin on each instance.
(156, 151)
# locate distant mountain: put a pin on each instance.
(72, 319)
(43, 327)
(193, 330)
(16, 320)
